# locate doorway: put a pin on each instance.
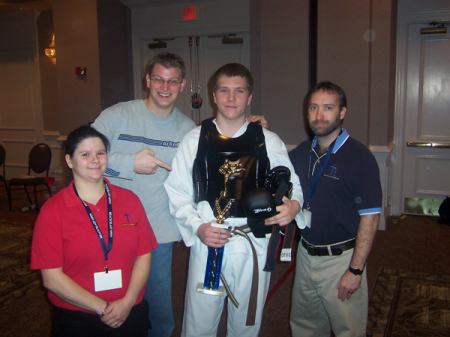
(422, 126)
(203, 55)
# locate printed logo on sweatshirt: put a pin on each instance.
(148, 141)
(111, 172)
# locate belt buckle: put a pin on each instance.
(336, 251)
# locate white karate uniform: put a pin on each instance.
(202, 311)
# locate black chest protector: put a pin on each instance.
(249, 150)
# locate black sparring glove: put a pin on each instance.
(259, 205)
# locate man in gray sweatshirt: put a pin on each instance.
(144, 136)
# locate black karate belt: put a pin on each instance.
(283, 188)
(274, 243)
(328, 250)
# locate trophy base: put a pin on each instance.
(218, 292)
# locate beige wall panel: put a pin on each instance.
(16, 94)
(381, 84)
(76, 40)
(284, 67)
(343, 57)
(17, 29)
(20, 90)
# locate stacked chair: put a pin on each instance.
(2, 176)
(39, 161)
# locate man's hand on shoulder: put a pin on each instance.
(213, 236)
(348, 284)
(258, 118)
(146, 162)
(287, 212)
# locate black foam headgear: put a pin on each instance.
(274, 178)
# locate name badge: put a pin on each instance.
(307, 216)
(108, 281)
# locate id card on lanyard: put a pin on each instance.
(311, 188)
(109, 279)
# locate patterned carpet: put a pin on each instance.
(17, 278)
(402, 303)
(24, 308)
(409, 304)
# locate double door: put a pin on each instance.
(203, 55)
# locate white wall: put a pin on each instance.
(21, 125)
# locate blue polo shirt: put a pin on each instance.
(349, 187)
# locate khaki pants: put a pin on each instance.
(316, 309)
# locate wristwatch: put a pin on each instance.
(355, 271)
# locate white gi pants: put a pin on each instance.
(202, 312)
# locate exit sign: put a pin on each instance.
(190, 13)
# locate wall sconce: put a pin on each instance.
(50, 51)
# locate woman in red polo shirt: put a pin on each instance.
(92, 242)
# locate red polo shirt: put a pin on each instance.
(65, 237)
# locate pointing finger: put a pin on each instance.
(162, 164)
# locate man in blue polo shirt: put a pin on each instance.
(341, 185)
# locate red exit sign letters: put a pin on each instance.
(191, 13)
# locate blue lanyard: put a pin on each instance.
(312, 188)
(97, 229)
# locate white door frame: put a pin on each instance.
(403, 23)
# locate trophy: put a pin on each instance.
(215, 255)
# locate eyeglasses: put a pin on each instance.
(172, 82)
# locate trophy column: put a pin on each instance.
(215, 255)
